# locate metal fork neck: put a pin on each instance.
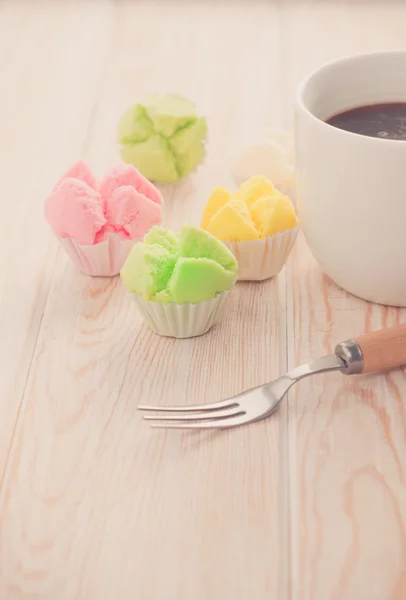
(347, 358)
(332, 362)
(279, 387)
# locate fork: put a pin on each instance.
(377, 351)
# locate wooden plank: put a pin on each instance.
(96, 505)
(347, 443)
(45, 106)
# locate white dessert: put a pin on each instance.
(271, 156)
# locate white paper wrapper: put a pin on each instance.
(104, 259)
(182, 320)
(262, 259)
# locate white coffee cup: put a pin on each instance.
(351, 189)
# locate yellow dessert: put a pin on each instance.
(232, 222)
(218, 198)
(273, 214)
(255, 211)
(255, 187)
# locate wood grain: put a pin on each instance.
(44, 127)
(347, 442)
(95, 504)
(384, 349)
(308, 505)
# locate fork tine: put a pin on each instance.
(191, 417)
(239, 419)
(194, 408)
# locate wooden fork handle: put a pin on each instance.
(383, 350)
(376, 351)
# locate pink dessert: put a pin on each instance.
(75, 210)
(124, 203)
(130, 213)
(80, 171)
(98, 223)
(122, 175)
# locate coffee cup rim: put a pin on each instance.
(306, 80)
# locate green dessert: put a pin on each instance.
(191, 266)
(163, 137)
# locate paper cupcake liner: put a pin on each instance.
(182, 320)
(263, 259)
(104, 259)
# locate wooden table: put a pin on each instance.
(308, 505)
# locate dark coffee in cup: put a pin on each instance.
(387, 121)
(350, 188)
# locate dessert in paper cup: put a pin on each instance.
(180, 282)
(163, 136)
(97, 223)
(258, 224)
(271, 155)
